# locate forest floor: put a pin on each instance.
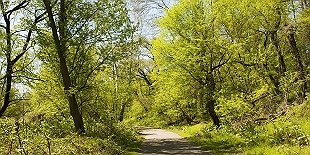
(161, 142)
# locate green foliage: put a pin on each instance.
(40, 134)
(285, 136)
(100, 56)
(219, 141)
(289, 133)
(244, 62)
(232, 109)
(258, 90)
(37, 138)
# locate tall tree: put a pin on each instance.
(13, 10)
(89, 36)
(60, 38)
(190, 41)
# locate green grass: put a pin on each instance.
(278, 150)
(222, 141)
(134, 148)
(217, 141)
(287, 135)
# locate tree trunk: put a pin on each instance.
(7, 90)
(61, 49)
(8, 51)
(211, 101)
(300, 67)
(275, 41)
(212, 113)
(9, 69)
(275, 82)
(122, 113)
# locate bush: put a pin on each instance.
(48, 136)
(288, 133)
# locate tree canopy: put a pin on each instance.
(81, 76)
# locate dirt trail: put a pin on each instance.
(161, 142)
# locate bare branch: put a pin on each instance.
(245, 64)
(23, 4)
(37, 19)
(29, 78)
(219, 65)
(192, 75)
(143, 75)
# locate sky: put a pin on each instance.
(146, 13)
(142, 12)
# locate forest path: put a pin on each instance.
(162, 142)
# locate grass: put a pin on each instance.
(278, 150)
(287, 135)
(217, 141)
(222, 142)
(133, 149)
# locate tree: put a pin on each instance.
(190, 41)
(15, 9)
(89, 37)
(61, 48)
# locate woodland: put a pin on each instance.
(81, 76)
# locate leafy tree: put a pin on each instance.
(16, 44)
(190, 41)
(61, 48)
(92, 37)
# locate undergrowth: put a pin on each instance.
(286, 135)
(44, 136)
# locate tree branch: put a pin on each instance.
(30, 78)
(219, 65)
(2, 26)
(23, 4)
(37, 19)
(245, 64)
(192, 75)
(144, 76)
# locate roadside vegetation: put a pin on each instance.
(80, 76)
(232, 76)
(288, 134)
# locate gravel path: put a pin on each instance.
(161, 142)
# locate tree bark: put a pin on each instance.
(275, 41)
(9, 68)
(7, 91)
(212, 113)
(122, 113)
(300, 66)
(211, 101)
(275, 82)
(60, 44)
